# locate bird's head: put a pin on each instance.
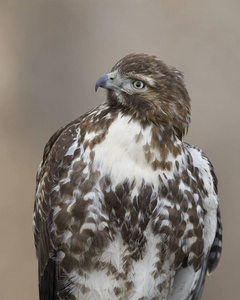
(148, 90)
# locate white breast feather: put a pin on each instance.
(119, 154)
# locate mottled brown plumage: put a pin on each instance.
(124, 209)
(166, 102)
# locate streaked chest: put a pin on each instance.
(131, 152)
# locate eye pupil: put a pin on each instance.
(138, 84)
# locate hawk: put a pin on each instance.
(125, 209)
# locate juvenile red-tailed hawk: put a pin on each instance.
(124, 208)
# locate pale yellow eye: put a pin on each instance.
(138, 84)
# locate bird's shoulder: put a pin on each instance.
(61, 142)
(199, 160)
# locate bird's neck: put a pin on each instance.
(168, 126)
(157, 143)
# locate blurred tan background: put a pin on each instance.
(52, 53)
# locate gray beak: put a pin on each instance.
(106, 81)
(102, 82)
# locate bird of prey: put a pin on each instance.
(124, 209)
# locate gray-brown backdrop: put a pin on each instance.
(52, 53)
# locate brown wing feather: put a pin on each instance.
(47, 266)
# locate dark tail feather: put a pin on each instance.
(48, 282)
(197, 293)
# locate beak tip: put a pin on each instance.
(102, 82)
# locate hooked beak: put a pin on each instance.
(106, 81)
(111, 81)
